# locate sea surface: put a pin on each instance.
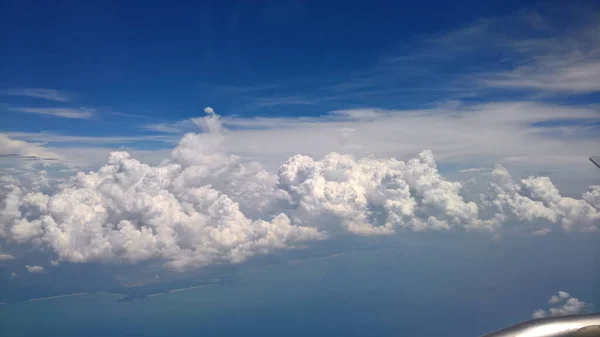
(419, 290)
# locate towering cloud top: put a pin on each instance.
(204, 206)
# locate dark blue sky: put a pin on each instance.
(168, 60)
(148, 45)
(115, 68)
(139, 69)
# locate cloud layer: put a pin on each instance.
(204, 205)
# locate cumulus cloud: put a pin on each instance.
(128, 211)
(539, 314)
(209, 123)
(206, 206)
(563, 304)
(34, 269)
(6, 257)
(538, 199)
(562, 296)
(542, 232)
(458, 134)
(375, 196)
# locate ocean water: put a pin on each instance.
(421, 290)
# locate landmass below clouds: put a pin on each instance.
(205, 206)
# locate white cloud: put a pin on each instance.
(538, 199)
(475, 170)
(272, 101)
(205, 205)
(563, 304)
(49, 94)
(53, 138)
(555, 53)
(54, 262)
(209, 123)
(484, 134)
(11, 147)
(571, 306)
(34, 269)
(80, 113)
(6, 257)
(566, 62)
(572, 74)
(542, 232)
(569, 64)
(171, 127)
(592, 196)
(539, 314)
(76, 151)
(129, 211)
(375, 196)
(59, 141)
(491, 133)
(561, 297)
(13, 275)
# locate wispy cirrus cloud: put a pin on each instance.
(525, 51)
(170, 127)
(567, 63)
(53, 138)
(525, 54)
(48, 94)
(72, 113)
(566, 73)
(283, 100)
(538, 54)
(28, 148)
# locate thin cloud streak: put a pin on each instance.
(170, 127)
(81, 113)
(513, 53)
(52, 138)
(48, 94)
(283, 100)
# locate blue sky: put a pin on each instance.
(142, 143)
(132, 75)
(264, 58)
